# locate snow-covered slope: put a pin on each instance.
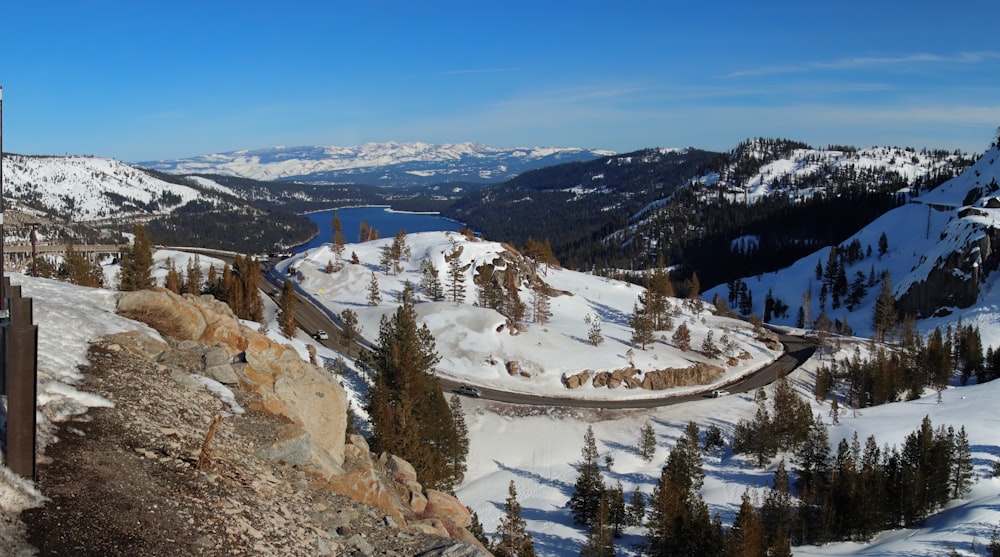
(941, 260)
(536, 447)
(476, 343)
(87, 188)
(762, 167)
(386, 164)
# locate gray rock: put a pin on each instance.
(222, 373)
(456, 549)
(361, 544)
(186, 380)
(214, 356)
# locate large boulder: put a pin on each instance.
(277, 378)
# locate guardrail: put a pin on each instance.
(18, 382)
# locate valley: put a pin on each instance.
(529, 424)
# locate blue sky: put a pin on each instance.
(144, 80)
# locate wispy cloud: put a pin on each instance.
(871, 62)
(472, 71)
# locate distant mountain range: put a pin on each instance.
(381, 164)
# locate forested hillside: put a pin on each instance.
(722, 216)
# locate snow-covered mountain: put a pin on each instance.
(383, 164)
(82, 189)
(761, 167)
(939, 252)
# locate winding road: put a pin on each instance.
(797, 351)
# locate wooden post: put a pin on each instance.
(22, 379)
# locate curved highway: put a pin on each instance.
(797, 351)
(311, 318)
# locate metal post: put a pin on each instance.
(22, 380)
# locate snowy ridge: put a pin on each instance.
(796, 171)
(389, 163)
(925, 236)
(89, 188)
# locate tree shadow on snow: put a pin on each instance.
(608, 314)
(563, 487)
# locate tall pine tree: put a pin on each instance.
(408, 411)
(512, 538)
(589, 488)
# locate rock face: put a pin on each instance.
(207, 339)
(955, 279)
(279, 380)
(698, 374)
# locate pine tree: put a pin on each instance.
(589, 486)
(512, 538)
(349, 332)
(636, 513)
(172, 281)
(78, 270)
(459, 445)
(682, 337)
(513, 308)
(339, 241)
(192, 283)
(456, 274)
(374, 294)
(430, 283)
(407, 409)
(542, 307)
(962, 472)
(286, 309)
(600, 540)
(884, 316)
(746, 537)
(137, 263)
(594, 330)
(883, 245)
(708, 347)
(694, 290)
(647, 442)
(617, 513)
(642, 327)
(476, 529)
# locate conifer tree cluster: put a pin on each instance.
(286, 309)
(137, 263)
(853, 492)
(499, 289)
(77, 269)
(904, 373)
(409, 414)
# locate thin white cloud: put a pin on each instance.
(870, 62)
(471, 71)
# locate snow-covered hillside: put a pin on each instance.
(387, 164)
(478, 346)
(536, 446)
(759, 168)
(940, 260)
(89, 188)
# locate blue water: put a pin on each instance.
(379, 218)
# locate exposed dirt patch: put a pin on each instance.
(125, 482)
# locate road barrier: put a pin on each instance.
(18, 381)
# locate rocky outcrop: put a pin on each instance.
(390, 484)
(954, 280)
(576, 380)
(698, 374)
(275, 376)
(205, 338)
